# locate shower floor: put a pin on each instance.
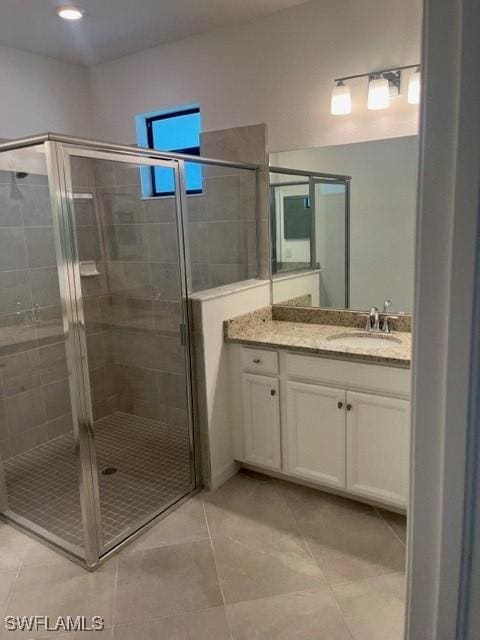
(152, 462)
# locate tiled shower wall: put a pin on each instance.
(222, 228)
(34, 394)
(236, 208)
(140, 309)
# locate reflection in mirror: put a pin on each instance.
(309, 223)
(358, 260)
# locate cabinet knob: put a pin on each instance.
(256, 360)
(340, 405)
(349, 407)
(273, 392)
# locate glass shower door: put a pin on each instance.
(331, 220)
(133, 294)
(39, 465)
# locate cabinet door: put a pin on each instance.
(316, 433)
(261, 417)
(378, 447)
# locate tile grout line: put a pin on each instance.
(114, 595)
(225, 608)
(385, 521)
(355, 582)
(348, 583)
(299, 531)
(328, 584)
(17, 573)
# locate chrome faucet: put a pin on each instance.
(373, 320)
(386, 318)
(377, 322)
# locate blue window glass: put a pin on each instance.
(176, 130)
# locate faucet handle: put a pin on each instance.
(386, 306)
(372, 319)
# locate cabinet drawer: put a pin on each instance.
(260, 361)
(372, 377)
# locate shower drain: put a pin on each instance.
(108, 471)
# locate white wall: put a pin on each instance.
(291, 286)
(382, 214)
(41, 94)
(216, 306)
(278, 69)
(444, 591)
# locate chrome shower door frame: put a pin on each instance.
(345, 182)
(75, 344)
(315, 178)
(60, 180)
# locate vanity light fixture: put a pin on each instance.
(378, 93)
(70, 13)
(341, 99)
(414, 87)
(382, 86)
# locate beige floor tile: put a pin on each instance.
(374, 609)
(251, 567)
(209, 624)
(13, 544)
(354, 546)
(186, 524)
(7, 579)
(311, 505)
(246, 505)
(106, 634)
(166, 581)
(312, 615)
(38, 553)
(60, 590)
(397, 521)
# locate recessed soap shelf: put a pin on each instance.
(88, 269)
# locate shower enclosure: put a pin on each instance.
(97, 434)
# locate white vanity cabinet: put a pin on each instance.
(378, 446)
(261, 420)
(338, 424)
(315, 433)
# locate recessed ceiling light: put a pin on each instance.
(70, 13)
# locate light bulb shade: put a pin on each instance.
(378, 94)
(414, 88)
(70, 13)
(341, 103)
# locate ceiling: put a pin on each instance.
(114, 28)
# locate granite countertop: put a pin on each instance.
(260, 330)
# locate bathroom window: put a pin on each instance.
(173, 130)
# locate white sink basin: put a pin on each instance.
(369, 340)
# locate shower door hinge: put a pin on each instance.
(183, 334)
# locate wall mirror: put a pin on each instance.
(343, 224)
